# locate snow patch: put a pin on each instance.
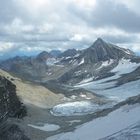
(77, 55)
(127, 51)
(73, 97)
(77, 72)
(46, 127)
(51, 61)
(116, 93)
(74, 108)
(82, 61)
(86, 80)
(74, 121)
(125, 66)
(106, 63)
(68, 57)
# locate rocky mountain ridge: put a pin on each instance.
(71, 66)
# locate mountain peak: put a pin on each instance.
(99, 43)
(55, 53)
(69, 52)
(43, 56)
(102, 51)
(99, 40)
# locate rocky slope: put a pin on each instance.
(68, 53)
(103, 51)
(27, 67)
(10, 106)
(55, 53)
(33, 94)
(9, 101)
(96, 62)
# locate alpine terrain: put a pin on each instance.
(87, 94)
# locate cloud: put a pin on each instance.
(132, 5)
(6, 46)
(17, 26)
(36, 25)
(110, 14)
(79, 37)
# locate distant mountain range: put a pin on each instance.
(74, 66)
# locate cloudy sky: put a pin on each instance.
(30, 26)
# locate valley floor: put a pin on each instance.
(115, 123)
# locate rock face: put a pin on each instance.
(10, 106)
(96, 62)
(97, 52)
(103, 51)
(43, 56)
(13, 133)
(68, 53)
(55, 53)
